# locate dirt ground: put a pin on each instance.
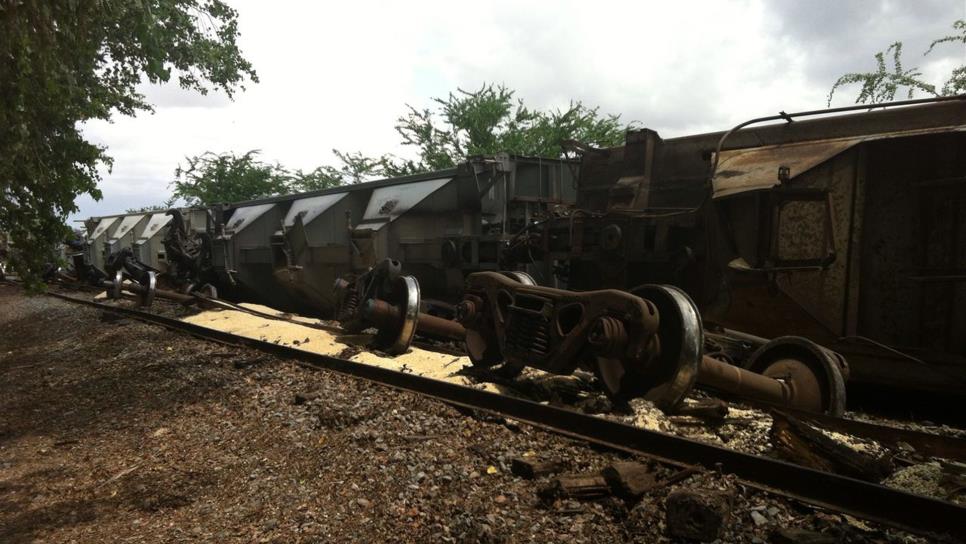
(117, 431)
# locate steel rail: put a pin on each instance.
(933, 445)
(877, 503)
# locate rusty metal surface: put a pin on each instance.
(756, 168)
(657, 358)
(651, 215)
(949, 111)
(821, 294)
(386, 315)
(914, 226)
(878, 252)
(551, 329)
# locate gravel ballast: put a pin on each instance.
(118, 431)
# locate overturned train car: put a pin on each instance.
(288, 251)
(849, 230)
(142, 234)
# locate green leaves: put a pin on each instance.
(956, 83)
(490, 120)
(884, 83)
(484, 122)
(63, 63)
(213, 178)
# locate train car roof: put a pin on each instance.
(424, 176)
(943, 116)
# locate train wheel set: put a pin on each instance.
(648, 343)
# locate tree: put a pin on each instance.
(883, 84)
(64, 63)
(482, 122)
(355, 168)
(213, 178)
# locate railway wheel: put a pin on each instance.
(666, 380)
(814, 375)
(117, 285)
(522, 277)
(147, 294)
(395, 338)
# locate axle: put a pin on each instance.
(743, 383)
(144, 291)
(789, 383)
(385, 299)
(383, 314)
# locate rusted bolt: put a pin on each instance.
(466, 312)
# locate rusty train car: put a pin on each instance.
(848, 229)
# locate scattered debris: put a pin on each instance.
(629, 480)
(120, 474)
(712, 410)
(803, 444)
(922, 479)
(531, 469)
(576, 486)
(758, 518)
(698, 514)
(251, 463)
(953, 480)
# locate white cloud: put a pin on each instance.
(337, 75)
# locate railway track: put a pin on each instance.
(924, 443)
(890, 507)
(928, 444)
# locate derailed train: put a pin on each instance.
(287, 251)
(847, 230)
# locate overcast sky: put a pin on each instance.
(338, 74)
